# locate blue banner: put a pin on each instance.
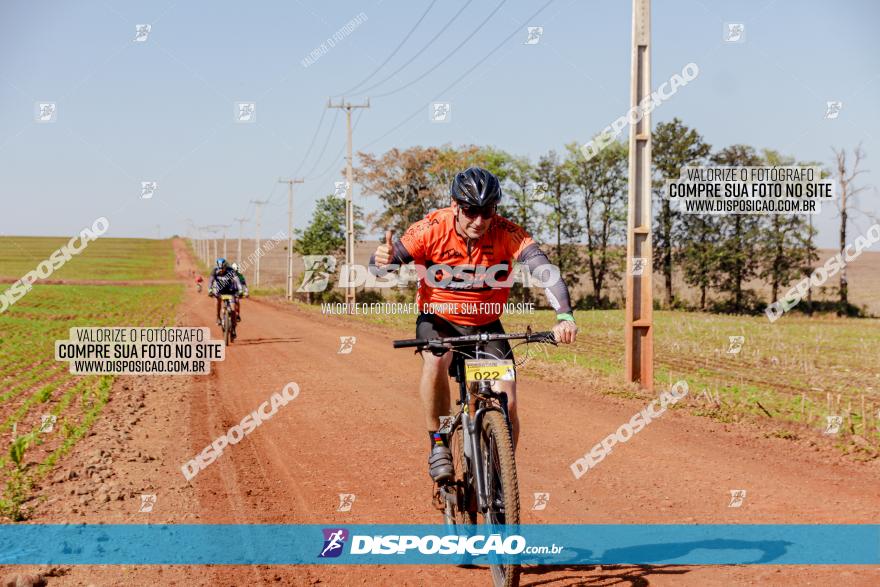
(554, 544)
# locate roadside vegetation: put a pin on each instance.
(35, 388)
(789, 376)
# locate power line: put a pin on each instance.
(312, 143)
(462, 76)
(326, 142)
(335, 160)
(422, 50)
(271, 195)
(467, 38)
(396, 49)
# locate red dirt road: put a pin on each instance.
(356, 427)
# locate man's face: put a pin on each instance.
(473, 222)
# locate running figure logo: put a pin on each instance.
(147, 503)
(638, 265)
(441, 112)
(47, 423)
(736, 344)
(833, 426)
(541, 501)
(340, 188)
(534, 37)
(148, 188)
(737, 497)
(334, 540)
(346, 345)
(141, 32)
(317, 273)
(245, 112)
(832, 109)
(346, 500)
(46, 112)
(734, 32)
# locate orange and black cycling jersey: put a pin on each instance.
(453, 284)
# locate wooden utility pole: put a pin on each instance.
(639, 364)
(349, 208)
(290, 183)
(259, 204)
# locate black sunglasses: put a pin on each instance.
(473, 211)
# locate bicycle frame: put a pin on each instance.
(475, 399)
(473, 424)
(228, 311)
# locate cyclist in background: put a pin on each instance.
(465, 239)
(244, 288)
(224, 281)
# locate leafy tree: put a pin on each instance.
(404, 182)
(325, 234)
(674, 146)
(781, 247)
(699, 252)
(561, 221)
(602, 182)
(737, 261)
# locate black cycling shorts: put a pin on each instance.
(433, 326)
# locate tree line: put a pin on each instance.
(577, 208)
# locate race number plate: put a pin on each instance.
(488, 370)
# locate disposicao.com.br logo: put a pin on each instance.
(431, 544)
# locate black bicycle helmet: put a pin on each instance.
(475, 187)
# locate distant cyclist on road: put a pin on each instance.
(467, 238)
(244, 288)
(224, 281)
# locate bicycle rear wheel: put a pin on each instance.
(502, 487)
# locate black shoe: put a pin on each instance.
(219, 322)
(238, 317)
(440, 464)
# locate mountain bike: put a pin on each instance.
(228, 319)
(478, 433)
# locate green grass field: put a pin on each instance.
(33, 383)
(115, 259)
(784, 375)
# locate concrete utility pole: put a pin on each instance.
(290, 183)
(639, 364)
(214, 229)
(349, 207)
(225, 228)
(259, 204)
(203, 241)
(241, 222)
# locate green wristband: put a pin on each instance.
(567, 317)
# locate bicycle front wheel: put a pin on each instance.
(466, 501)
(227, 329)
(502, 488)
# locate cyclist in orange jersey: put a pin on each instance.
(464, 255)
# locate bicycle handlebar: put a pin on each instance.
(545, 336)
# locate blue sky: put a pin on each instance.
(163, 110)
